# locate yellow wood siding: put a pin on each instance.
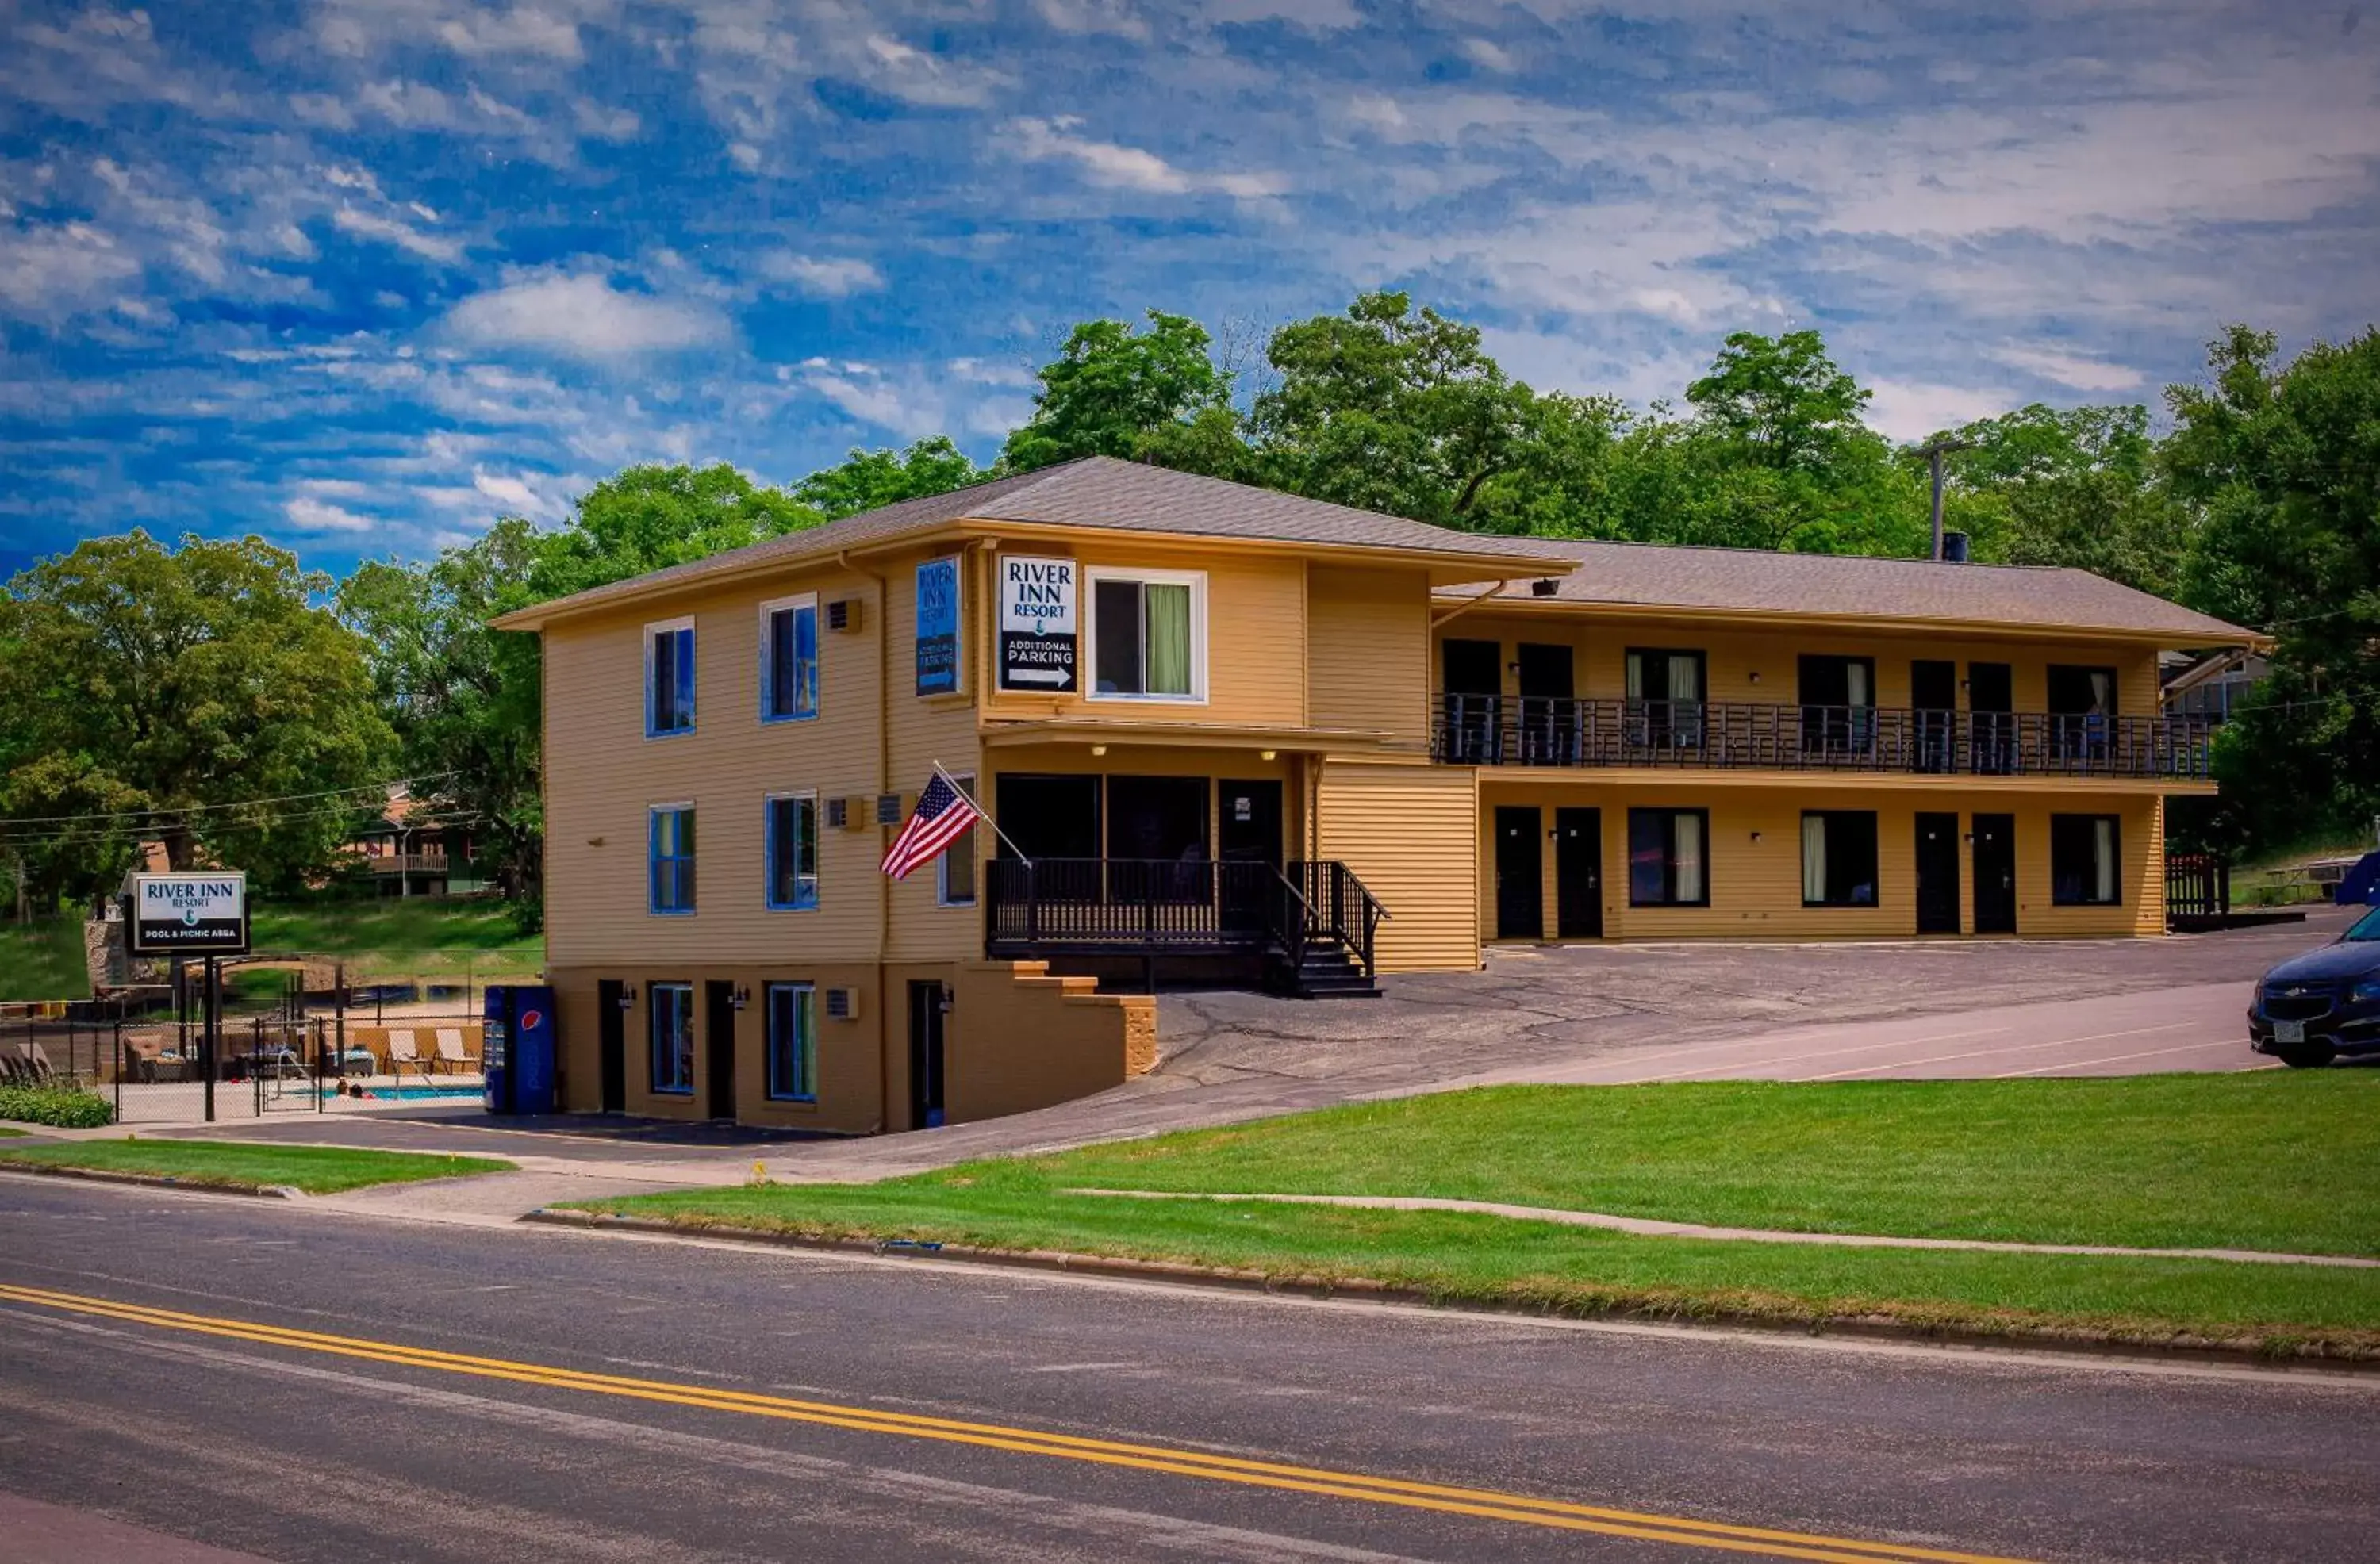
(925, 730)
(1761, 667)
(1755, 886)
(1369, 668)
(1407, 831)
(1255, 641)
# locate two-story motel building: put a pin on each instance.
(1225, 729)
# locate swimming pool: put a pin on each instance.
(414, 1094)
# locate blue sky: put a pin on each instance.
(363, 274)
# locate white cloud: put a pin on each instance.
(307, 514)
(825, 277)
(929, 80)
(389, 230)
(52, 271)
(1908, 410)
(1081, 17)
(1488, 56)
(2072, 370)
(524, 30)
(580, 315)
(1129, 168)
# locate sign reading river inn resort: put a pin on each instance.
(1037, 625)
(177, 914)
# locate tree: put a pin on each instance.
(1113, 391)
(2285, 465)
(643, 518)
(463, 697)
(171, 690)
(868, 478)
(2077, 487)
(1781, 401)
(1390, 410)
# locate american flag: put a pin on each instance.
(942, 815)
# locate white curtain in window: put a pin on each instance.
(2102, 691)
(2102, 854)
(1855, 682)
(1689, 848)
(1636, 675)
(1814, 858)
(1683, 684)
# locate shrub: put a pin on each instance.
(64, 1108)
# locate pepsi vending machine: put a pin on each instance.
(517, 1049)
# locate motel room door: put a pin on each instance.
(611, 1044)
(925, 1055)
(1578, 874)
(1519, 874)
(719, 1046)
(1938, 874)
(1248, 831)
(1995, 856)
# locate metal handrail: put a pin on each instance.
(1565, 732)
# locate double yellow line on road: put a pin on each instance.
(1483, 1504)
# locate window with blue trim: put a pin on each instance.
(672, 1042)
(793, 1042)
(668, 678)
(793, 852)
(670, 859)
(789, 660)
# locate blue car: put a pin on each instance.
(2314, 1008)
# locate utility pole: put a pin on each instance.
(1934, 454)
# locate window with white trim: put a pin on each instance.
(789, 659)
(668, 678)
(1149, 635)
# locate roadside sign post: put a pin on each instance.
(203, 913)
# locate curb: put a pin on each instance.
(1358, 1289)
(153, 1181)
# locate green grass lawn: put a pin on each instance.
(396, 938)
(2264, 1162)
(315, 1169)
(42, 961)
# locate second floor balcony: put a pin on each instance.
(1493, 729)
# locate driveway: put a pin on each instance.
(1554, 1013)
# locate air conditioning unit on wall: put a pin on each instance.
(842, 1004)
(842, 614)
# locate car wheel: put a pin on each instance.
(2308, 1056)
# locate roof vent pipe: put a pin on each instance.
(1954, 548)
(1544, 587)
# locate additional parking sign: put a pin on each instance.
(1037, 624)
(937, 626)
(189, 914)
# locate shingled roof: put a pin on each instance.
(1097, 492)
(1654, 576)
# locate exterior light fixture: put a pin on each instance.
(628, 997)
(1544, 586)
(1098, 749)
(740, 997)
(1754, 675)
(1267, 753)
(1755, 836)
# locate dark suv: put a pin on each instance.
(2312, 1008)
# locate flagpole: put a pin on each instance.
(981, 815)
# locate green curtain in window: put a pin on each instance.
(1166, 610)
(1814, 858)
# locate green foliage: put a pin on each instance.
(43, 960)
(2285, 465)
(868, 478)
(1782, 403)
(1137, 394)
(61, 1108)
(180, 683)
(645, 518)
(1390, 409)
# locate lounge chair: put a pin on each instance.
(37, 1063)
(404, 1051)
(12, 1071)
(450, 1050)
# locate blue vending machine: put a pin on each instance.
(517, 1048)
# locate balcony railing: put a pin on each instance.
(409, 863)
(1485, 730)
(1141, 906)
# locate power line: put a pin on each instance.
(236, 804)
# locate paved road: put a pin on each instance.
(617, 1400)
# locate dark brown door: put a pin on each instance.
(1933, 724)
(1994, 862)
(925, 1056)
(719, 1046)
(1247, 840)
(1474, 674)
(1991, 706)
(1519, 874)
(1938, 874)
(611, 1044)
(1578, 874)
(1549, 718)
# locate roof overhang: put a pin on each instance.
(1446, 567)
(2226, 637)
(997, 735)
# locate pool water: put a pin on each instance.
(414, 1094)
